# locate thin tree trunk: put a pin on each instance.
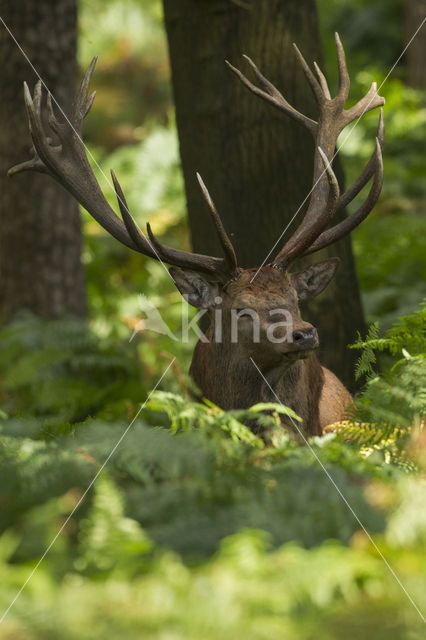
(40, 235)
(256, 162)
(415, 13)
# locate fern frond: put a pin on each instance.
(364, 364)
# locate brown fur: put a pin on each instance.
(225, 374)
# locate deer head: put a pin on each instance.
(218, 284)
(256, 313)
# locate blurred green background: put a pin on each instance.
(196, 529)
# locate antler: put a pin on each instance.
(68, 164)
(311, 236)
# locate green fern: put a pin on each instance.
(392, 406)
(364, 364)
(60, 372)
(183, 415)
(409, 333)
(384, 444)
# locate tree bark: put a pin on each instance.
(415, 13)
(256, 162)
(40, 234)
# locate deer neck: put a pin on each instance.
(230, 379)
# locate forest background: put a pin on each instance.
(195, 528)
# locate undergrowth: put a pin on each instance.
(188, 495)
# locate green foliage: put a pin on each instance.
(217, 532)
(132, 72)
(109, 541)
(407, 337)
(185, 467)
(398, 397)
(364, 366)
(190, 489)
(244, 591)
(32, 472)
(57, 373)
(357, 23)
(150, 175)
(389, 246)
(392, 406)
(208, 417)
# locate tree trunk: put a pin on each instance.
(256, 162)
(40, 235)
(415, 13)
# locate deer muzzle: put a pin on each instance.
(306, 339)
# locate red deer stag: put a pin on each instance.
(237, 373)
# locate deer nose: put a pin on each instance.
(306, 338)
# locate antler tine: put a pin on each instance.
(157, 244)
(272, 95)
(53, 122)
(35, 163)
(83, 102)
(226, 243)
(138, 239)
(323, 82)
(216, 267)
(37, 98)
(348, 224)
(33, 107)
(344, 79)
(302, 239)
(370, 101)
(368, 171)
(168, 254)
(313, 82)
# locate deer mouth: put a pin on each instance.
(288, 357)
(303, 345)
(301, 354)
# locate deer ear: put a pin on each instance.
(314, 279)
(195, 289)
